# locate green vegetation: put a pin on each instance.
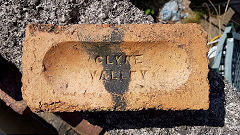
(196, 17)
(149, 12)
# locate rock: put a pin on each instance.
(172, 10)
(115, 67)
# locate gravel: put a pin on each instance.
(223, 117)
(15, 15)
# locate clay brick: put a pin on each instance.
(17, 106)
(86, 128)
(115, 67)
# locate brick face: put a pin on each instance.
(115, 67)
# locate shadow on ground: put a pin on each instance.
(14, 123)
(159, 118)
(11, 122)
(10, 79)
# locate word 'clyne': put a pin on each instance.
(118, 59)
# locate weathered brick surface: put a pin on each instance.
(115, 67)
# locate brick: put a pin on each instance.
(86, 128)
(2, 94)
(19, 106)
(115, 67)
(8, 100)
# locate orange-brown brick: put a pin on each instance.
(115, 67)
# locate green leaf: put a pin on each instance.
(152, 12)
(147, 12)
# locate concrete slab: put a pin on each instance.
(115, 67)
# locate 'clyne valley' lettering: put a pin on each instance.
(119, 59)
(115, 67)
(115, 75)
